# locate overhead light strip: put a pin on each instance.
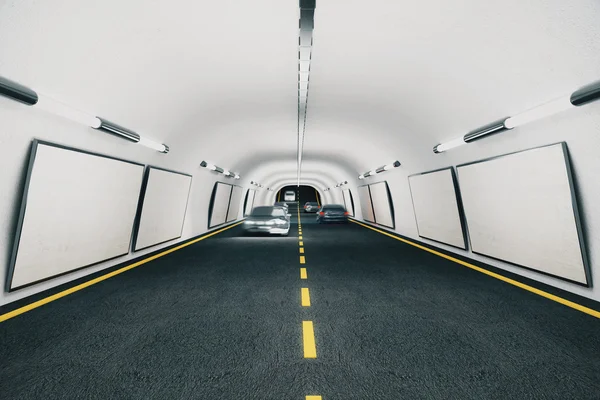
(25, 95)
(585, 95)
(212, 167)
(381, 169)
(305, 41)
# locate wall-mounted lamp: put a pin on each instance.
(23, 94)
(256, 184)
(386, 167)
(582, 96)
(220, 170)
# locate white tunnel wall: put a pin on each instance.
(21, 124)
(577, 127)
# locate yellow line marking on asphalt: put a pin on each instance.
(302, 260)
(300, 237)
(301, 243)
(310, 348)
(523, 286)
(305, 294)
(303, 274)
(301, 250)
(314, 398)
(74, 289)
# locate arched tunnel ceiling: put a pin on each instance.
(389, 79)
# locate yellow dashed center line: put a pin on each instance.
(303, 274)
(301, 243)
(302, 260)
(314, 398)
(300, 237)
(301, 250)
(308, 331)
(305, 294)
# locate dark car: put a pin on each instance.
(266, 219)
(311, 206)
(332, 213)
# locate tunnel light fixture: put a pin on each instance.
(256, 184)
(545, 110)
(219, 170)
(60, 109)
(383, 168)
(306, 25)
(580, 97)
(163, 148)
(18, 92)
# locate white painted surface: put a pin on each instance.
(436, 208)
(519, 209)
(80, 211)
(365, 204)
(381, 204)
(234, 204)
(220, 204)
(348, 201)
(250, 202)
(164, 206)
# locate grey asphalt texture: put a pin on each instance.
(221, 319)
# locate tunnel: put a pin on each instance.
(161, 165)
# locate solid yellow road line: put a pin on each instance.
(314, 398)
(302, 260)
(301, 250)
(523, 286)
(305, 295)
(303, 274)
(74, 289)
(310, 348)
(301, 243)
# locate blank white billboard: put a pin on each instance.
(249, 201)
(163, 208)
(365, 203)
(436, 207)
(220, 204)
(78, 209)
(348, 201)
(234, 204)
(381, 204)
(521, 208)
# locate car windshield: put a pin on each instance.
(334, 207)
(313, 203)
(268, 212)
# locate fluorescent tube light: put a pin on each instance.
(545, 110)
(154, 145)
(449, 145)
(62, 110)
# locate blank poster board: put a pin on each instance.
(77, 210)
(365, 203)
(249, 201)
(382, 206)
(234, 204)
(348, 201)
(521, 208)
(220, 204)
(436, 207)
(163, 208)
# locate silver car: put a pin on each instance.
(268, 219)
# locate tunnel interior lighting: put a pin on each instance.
(163, 148)
(545, 110)
(584, 95)
(220, 170)
(386, 167)
(56, 107)
(18, 92)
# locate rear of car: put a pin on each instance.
(332, 213)
(289, 196)
(311, 206)
(265, 219)
(281, 204)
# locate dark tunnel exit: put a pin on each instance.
(302, 194)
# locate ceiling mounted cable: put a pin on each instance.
(305, 41)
